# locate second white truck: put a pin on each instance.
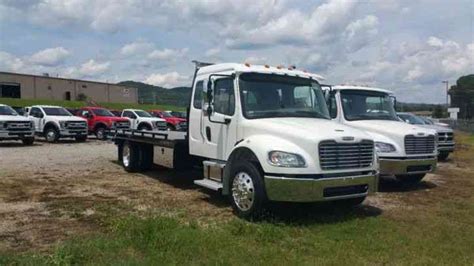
(260, 134)
(406, 151)
(142, 120)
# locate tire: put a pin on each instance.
(410, 179)
(130, 156)
(144, 127)
(146, 157)
(28, 141)
(245, 178)
(51, 134)
(81, 138)
(442, 156)
(170, 127)
(100, 133)
(349, 203)
(119, 152)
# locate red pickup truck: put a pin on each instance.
(173, 122)
(100, 119)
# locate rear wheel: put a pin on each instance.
(146, 157)
(28, 141)
(247, 195)
(410, 179)
(51, 134)
(130, 156)
(170, 127)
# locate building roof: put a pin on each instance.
(249, 68)
(353, 87)
(58, 78)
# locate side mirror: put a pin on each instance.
(210, 96)
(40, 115)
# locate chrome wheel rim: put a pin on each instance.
(100, 134)
(243, 191)
(126, 156)
(51, 135)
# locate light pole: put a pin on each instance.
(447, 94)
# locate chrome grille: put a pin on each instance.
(18, 125)
(122, 125)
(338, 156)
(161, 125)
(419, 145)
(445, 137)
(76, 125)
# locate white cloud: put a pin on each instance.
(93, 68)
(50, 56)
(9, 62)
(213, 52)
(361, 32)
(167, 80)
(168, 54)
(136, 48)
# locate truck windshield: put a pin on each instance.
(56, 111)
(7, 110)
(367, 105)
(412, 119)
(269, 95)
(102, 112)
(143, 114)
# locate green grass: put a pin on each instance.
(77, 104)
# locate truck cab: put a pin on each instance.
(261, 134)
(173, 122)
(99, 120)
(445, 134)
(142, 120)
(406, 151)
(55, 122)
(15, 127)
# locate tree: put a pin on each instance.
(81, 97)
(462, 96)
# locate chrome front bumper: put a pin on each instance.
(446, 146)
(323, 189)
(16, 134)
(406, 166)
(73, 132)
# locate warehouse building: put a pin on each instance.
(14, 85)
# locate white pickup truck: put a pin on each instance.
(260, 134)
(406, 151)
(54, 122)
(142, 120)
(15, 127)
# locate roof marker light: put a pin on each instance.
(247, 64)
(279, 67)
(267, 66)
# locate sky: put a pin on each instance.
(409, 47)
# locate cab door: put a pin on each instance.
(37, 116)
(219, 123)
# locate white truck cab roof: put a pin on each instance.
(264, 69)
(353, 87)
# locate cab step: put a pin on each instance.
(208, 183)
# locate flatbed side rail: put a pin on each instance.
(131, 133)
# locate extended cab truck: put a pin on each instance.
(406, 151)
(99, 120)
(174, 123)
(142, 120)
(15, 127)
(445, 134)
(54, 122)
(260, 133)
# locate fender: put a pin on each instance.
(256, 149)
(50, 124)
(144, 123)
(100, 124)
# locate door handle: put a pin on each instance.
(208, 133)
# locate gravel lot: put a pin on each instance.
(51, 192)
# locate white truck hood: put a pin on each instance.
(439, 129)
(66, 118)
(13, 118)
(309, 129)
(150, 119)
(394, 129)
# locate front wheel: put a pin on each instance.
(442, 156)
(247, 195)
(410, 179)
(100, 133)
(51, 135)
(28, 141)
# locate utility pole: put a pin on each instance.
(447, 94)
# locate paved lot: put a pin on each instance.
(50, 192)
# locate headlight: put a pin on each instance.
(160, 124)
(384, 147)
(62, 124)
(285, 159)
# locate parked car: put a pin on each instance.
(406, 151)
(55, 122)
(142, 120)
(254, 150)
(431, 121)
(19, 110)
(445, 134)
(178, 114)
(173, 123)
(15, 127)
(99, 120)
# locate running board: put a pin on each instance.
(208, 183)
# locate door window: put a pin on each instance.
(36, 112)
(224, 98)
(332, 105)
(129, 114)
(197, 103)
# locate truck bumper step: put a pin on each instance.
(210, 184)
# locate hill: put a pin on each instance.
(150, 94)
